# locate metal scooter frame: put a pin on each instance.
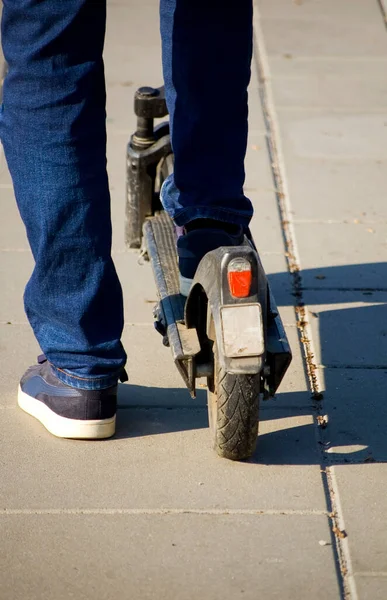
(182, 322)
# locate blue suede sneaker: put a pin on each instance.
(65, 411)
(197, 238)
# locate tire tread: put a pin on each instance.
(237, 414)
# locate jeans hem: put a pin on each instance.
(87, 383)
(182, 217)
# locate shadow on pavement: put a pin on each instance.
(347, 311)
(350, 334)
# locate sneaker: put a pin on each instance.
(65, 411)
(196, 239)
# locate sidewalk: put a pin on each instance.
(154, 513)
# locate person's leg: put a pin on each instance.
(207, 49)
(53, 131)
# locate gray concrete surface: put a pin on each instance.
(167, 556)
(153, 513)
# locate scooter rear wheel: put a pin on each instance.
(233, 408)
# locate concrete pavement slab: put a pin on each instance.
(15, 270)
(132, 47)
(151, 370)
(362, 490)
(5, 177)
(337, 190)
(294, 390)
(276, 270)
(339, 37)
(160, 458)
(348, 329)
(320, 10)
(128, 21)
(323, 134)
(131, 72)
(258, 169)
(18, 350)
(338, 255)
(330, 84)
(256, 118)
(372, 586)
(168, 556)
(265, 226)
(355, 401)
(298, 69)
(12, 232)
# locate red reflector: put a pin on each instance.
(239, 283)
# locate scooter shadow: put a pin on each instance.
(148, 411)
(350, 325)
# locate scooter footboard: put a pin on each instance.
(169, 312)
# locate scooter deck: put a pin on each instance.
(160, 241)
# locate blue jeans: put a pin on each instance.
(53, 131)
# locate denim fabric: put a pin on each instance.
(207, 49)
(53, 132)
(52, 127)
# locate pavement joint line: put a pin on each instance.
(341, 554)
(333, 109)
(162, 511)
(355, 367)
(335, 57)
(338, 222)
(353, 461)
(370, 573)
(348, 157)
(300, 19)
(342, 542)
(285, 209)
(300, 77)
(343, 289)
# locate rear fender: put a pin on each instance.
(240, 323)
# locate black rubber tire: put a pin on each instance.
(233, 412)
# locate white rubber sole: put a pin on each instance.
(185, 285)
(63, 427)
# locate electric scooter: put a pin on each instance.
(228, 330)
